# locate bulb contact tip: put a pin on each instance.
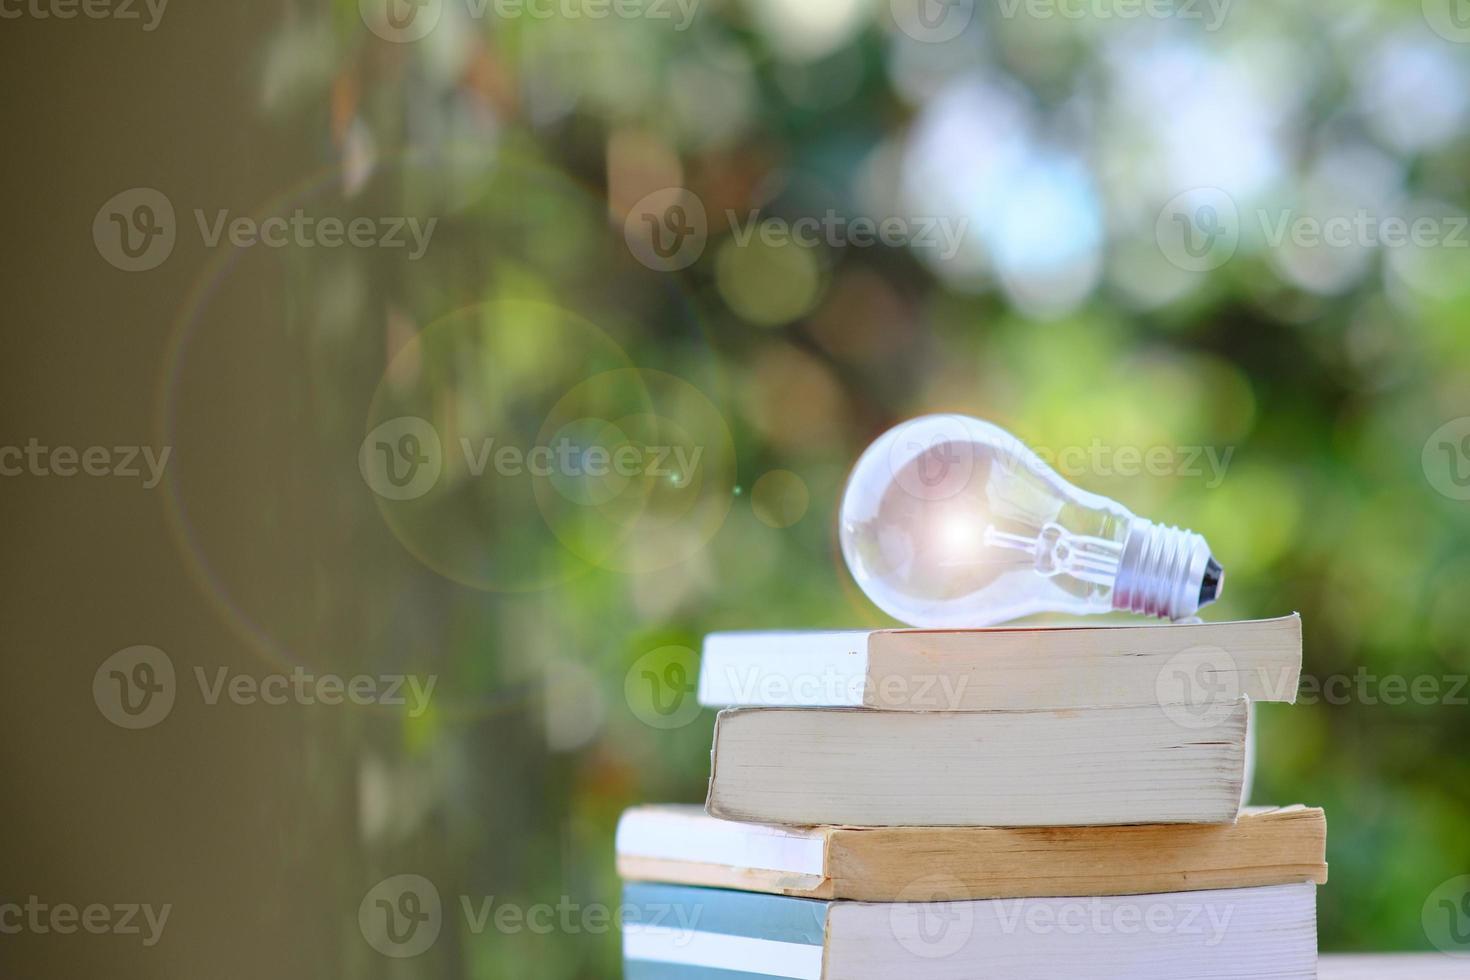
(1212, 583)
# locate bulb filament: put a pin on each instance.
(1057, 551)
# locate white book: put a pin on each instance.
(1070, 767)
(1267, 933)
(1003, 668)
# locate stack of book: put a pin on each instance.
(1008, 803)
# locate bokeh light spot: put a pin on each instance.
(780, 498)
(768, 284)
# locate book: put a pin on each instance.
(1080, 766)
(1395, 966)
(675, 931)
(1000, 668)
(683, 845)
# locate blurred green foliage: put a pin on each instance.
(1290, 392)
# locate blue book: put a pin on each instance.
(677, 932)
(674, 931)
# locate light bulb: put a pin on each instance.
(949, 521)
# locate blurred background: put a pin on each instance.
(1209, 258)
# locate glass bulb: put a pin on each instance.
(950, 521)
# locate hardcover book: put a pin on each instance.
(683, 845)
